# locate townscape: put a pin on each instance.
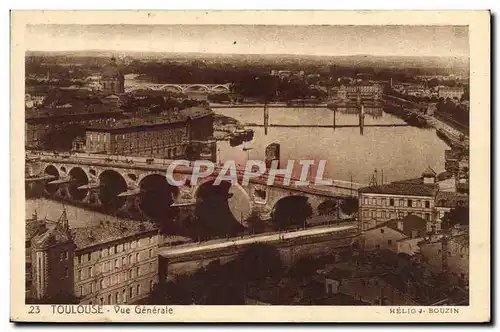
(104, 226)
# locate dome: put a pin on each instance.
(111, 70)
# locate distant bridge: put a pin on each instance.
(124, 184)
(183, 88)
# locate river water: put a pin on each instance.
(401, 152)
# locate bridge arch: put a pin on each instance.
(172, 88)
(291, 211)
(223, 208)
(51, 170)
(78, 177)
(111, 184)
(156, 197)
(220, 88)
(197, 88)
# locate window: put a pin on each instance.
(91, 285)
(131, 292)
(111, 250)
(130, 274)
(389, 242)
(137, 257)
(427, 204)
(109, 299)
(137, 272)
(427, 216)
(101, 300)
(116, 248)
(130, 259)
(410, 203)
(419, 203)
(79, 259)
(151, 285)
(382, 230)
(391, 201)
(90, 271)
(66, 255)
(81, 291)
(124, 295)
(151, 239)
(66, 272)
(150, 254)
(101, 284)
(116, 263)
(117, 297)
(151, 267)
(138, 290)
(79, 274)
(123, 261)
(89, 257)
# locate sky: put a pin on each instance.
(254, 39)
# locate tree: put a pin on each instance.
(254, 223)
(328, 207)
(456, 216)
(349, 205)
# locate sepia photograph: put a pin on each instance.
(223, 164)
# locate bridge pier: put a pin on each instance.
(92, 198)
(131, 208)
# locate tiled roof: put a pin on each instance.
(55, 235)
(34, 227)
(154, 120)
(451, 199)
(401, 188)
(85, 237)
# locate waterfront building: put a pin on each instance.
(112, 79)
(362, 91)
(451, 92)
(396, 200)
(166, 136)
(445, 202)
(110, 263)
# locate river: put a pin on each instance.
(401, 152)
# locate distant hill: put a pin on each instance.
(352, 60)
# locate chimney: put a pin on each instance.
(400, 225)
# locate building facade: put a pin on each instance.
(381, 203)
(112, 263)
(161, 136)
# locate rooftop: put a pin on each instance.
(410, 223)
(154, 120)
(402, 188)
(108, 231)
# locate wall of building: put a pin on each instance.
(381, 238)
(115, 271)
(375, 209)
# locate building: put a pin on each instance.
(449, 254)
(165, 136)
(445, 202)
(396, 200)
(451, 92)
(112, 80)
(45, 128)
(397, 235)
(360, 91)
(34, 96)
(110, 263)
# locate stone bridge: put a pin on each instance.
(130, 184)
